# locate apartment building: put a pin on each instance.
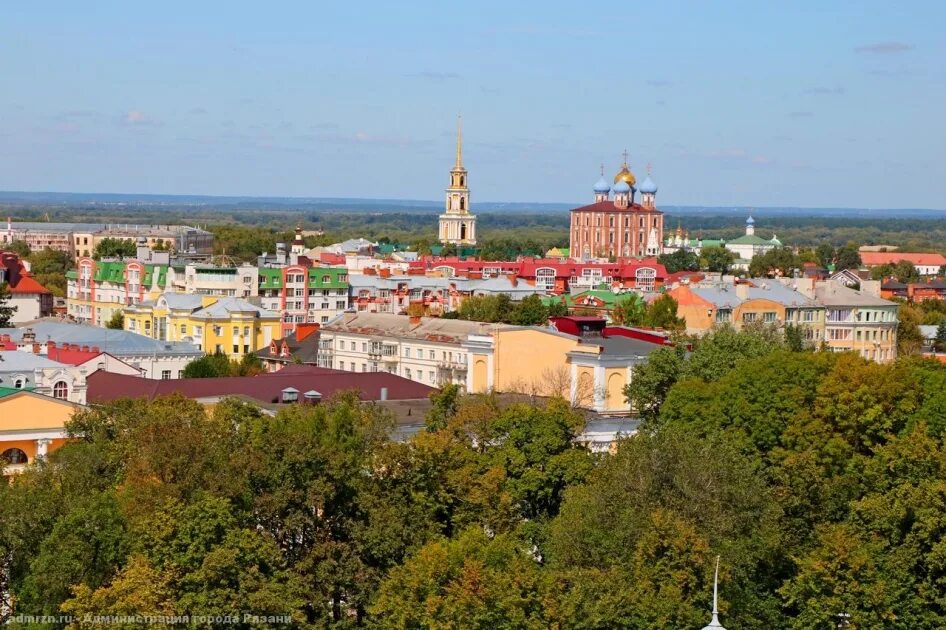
(303, 294)
(228, 325)
(423, 349)
(744, 303)
(858, 321)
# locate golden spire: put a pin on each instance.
(459, 142)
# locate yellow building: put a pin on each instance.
(31, 426)
(590, 368)
(228, 325)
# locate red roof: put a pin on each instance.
(71, 356)
(891, 258)
(526, 267)
(267, 388)
(27, 284)
(608, 206)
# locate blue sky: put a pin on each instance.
(733, 103)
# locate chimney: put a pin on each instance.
(50, 345)
(35, 348)
(85, 348)
(414, 320)
(96, 350)
(742, 291)
(384, 393)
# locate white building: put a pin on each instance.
(426, 350)
(747, 246)
(457, 225)
(151, 357)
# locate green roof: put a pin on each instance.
(319, 278)
(9, 391)
(328, 277)
(610, 298)
(750, 239)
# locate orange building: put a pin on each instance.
(31, 426)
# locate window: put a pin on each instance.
(61, 390)
(407, 352)
(246, 331)
(431, 376)
(183, 329)
(749, 317)
(768, 316)
(723, 315)
(236, 348)
(545, 278)
(420, 353)
(180, 373)
(364, 347)
(433, 355)
(407, 373)
(165, 375)
(236, 331)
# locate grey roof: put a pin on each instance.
(726, 295)
(187, 301)
(225, 306)
(58, 227)
(833, 294)
(118, 343)
(16, 361)
(402, 326)
(616, 346)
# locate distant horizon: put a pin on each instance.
(48, 196)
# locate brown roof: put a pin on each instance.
(267, 388)
(608, 206)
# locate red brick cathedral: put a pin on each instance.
(616, 225)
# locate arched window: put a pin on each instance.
(61, 390)
(18, 383)
(13, 456)
(462, 203)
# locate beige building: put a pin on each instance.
(858, 321)
(427, 350)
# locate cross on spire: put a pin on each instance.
(602, 169)
(625, 157)
(648, 168)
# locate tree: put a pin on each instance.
(629, 311)
(778, 261)
(716, 259)
(557, 309)
(824, 254)
(6, 311)
(117, 321)
(680, 260)
(662, 313)
(905, 271)
(210, 366)
(847, 257)
(20, 248)
(530, 311)
(49, 267)
(115, 248)
(909, 338)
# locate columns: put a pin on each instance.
(42, 447)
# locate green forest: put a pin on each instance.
(818, 478)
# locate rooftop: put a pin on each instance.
(118, 343)
(403, 326)
(266, 388)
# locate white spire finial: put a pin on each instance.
(714, 622)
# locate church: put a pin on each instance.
(617, 225)
(457, 224)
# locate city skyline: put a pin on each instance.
(801, 105)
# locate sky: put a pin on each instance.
(803, 103)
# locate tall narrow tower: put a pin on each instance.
(457, 225)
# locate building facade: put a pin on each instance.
(231, 326)
(30, 299)
(858, 321)
(618, 226)
(424, 350)
(31, 426)
(457, 223)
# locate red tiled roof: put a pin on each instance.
(884, 258)
(27, 284)
(608, 206)
(267, 388)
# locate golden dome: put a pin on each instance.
(626, 175)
